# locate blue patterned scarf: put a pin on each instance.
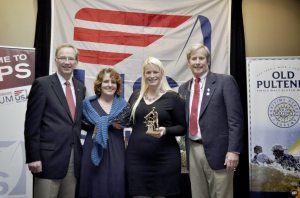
(101, 124)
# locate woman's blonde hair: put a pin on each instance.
(163, 86)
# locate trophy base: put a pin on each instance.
(155, 134)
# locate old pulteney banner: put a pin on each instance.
(274, 126)
(17, 67)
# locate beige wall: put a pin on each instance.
(272, 27)
(17, 22)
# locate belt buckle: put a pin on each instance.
(199, 141)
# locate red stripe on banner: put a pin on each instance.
(100, 57)
(112, 37)
(131, 18)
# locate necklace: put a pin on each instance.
(150, 99)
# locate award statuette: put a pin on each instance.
(151, 121)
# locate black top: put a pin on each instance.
(153, 165)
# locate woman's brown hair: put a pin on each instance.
(113, 75)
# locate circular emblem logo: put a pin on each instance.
(284, 112)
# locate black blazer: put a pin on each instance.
(50, 131)
(221, 117)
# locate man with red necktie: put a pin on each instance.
(215, 119)
(52, 128)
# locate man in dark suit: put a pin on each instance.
(52, 128)
(215, 127)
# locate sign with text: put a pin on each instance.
(17, 67)
(274, 124)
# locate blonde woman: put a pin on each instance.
(153, 160)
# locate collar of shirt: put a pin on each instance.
(62, 83)
(202, 82)
(203, 76)
(62, 80)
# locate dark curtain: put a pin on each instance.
(42, 38)
(237, 69)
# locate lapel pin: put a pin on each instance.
(208, 92)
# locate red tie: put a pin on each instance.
(193, 127)
(70, 99)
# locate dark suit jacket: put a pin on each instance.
(50, 131)
(221, 117)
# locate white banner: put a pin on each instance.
(274, 126)
(123, 33)
(17, 66)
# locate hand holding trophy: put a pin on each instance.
(151, 121)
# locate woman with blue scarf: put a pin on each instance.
(103, 160)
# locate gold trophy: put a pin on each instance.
(151, 121)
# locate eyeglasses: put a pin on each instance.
(65, 59)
